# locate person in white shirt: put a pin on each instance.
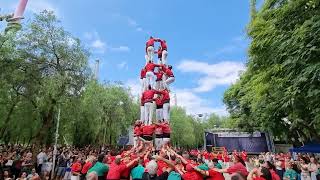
(41, 159)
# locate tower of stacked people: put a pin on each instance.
(155, 79)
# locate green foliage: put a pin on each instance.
(44, 68)
(280, 90)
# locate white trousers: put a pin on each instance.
(148, 110)
(149, 79)
(159, 85)
(165, 141)
(142, 114)
(164, 56)
(168, 81)
(143, 86)
(75, 177)
(135, 141)
(158, 143)
(150, 52)
(166, 111)
(159, 115)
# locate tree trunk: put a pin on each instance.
(7, 120)
(47, 123)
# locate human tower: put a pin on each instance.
(155, 96)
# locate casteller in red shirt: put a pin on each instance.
(191, 174)
(86, 167)
(137, 130)
(214, 175)
(115, 171)
(163, 45)
(244, 155)
(238, 167)
(150, 66)
(143, 73)
(148, 130)
(147, 96)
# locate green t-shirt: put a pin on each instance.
(218, 165)
(100, 168)
(137, 172)
(203, 167)
(290, 173)
(174, 176)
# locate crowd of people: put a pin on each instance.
(145, 162)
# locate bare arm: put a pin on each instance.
(205, 173)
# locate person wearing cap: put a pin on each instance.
(168, 77)
(147, 98)
(150, 48)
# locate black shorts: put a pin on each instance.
(147, 138)
(166, 135)
(159, 136)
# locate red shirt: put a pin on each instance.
(86, 167)
(163, 45)
(166, 128)
(169, 72)
(219, 156)
(161, 165)
(125, 173)
(214, 175)
(150, 67)
(258, 178)
(165, 96)
(143, 73)
(158, 130)
(115, 171)
(244, 156)
(76, 167)
(238, 167)
(159, 102)
(274, 175)
(191, 175)
(148, 95)
(148, 129)
(137, 131)
(159, 75)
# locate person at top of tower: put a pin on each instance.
(169, 77)
(150, 72)
(147, 98)
(164, 51)
(150, 48)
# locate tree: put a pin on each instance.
(279, 91)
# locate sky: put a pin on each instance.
(207, 41)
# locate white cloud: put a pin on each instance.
(186, 98)
(139, 29)
(120, 49)
(123, 65)
(99, 46)
(222, 73)
(135, 87)
(194, 104)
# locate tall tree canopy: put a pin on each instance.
(280, 89)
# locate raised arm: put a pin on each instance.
(205, 173)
